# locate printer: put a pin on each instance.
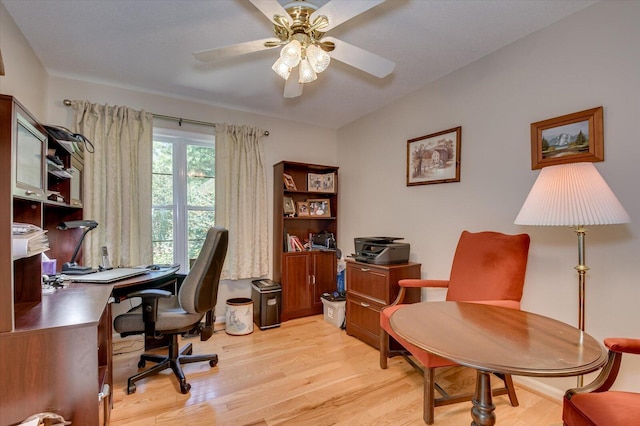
(381, 250)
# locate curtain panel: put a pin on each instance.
(241, 200)
(117, 182)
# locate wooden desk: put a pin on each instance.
(494, 339)
(155, 279)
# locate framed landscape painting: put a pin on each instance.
(434, 158)
(570, 138)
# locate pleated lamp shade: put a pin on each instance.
(572, 194)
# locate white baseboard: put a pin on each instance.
(539, 387)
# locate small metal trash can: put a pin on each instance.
(266, 296)
(239, 319)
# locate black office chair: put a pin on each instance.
(163, 314)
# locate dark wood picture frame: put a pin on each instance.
(570, 138)
(434, 158)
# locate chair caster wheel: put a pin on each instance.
(141, 363)
(213, 363)
(185, 387)
(131, 389)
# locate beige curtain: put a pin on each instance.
(241, 200)
(117, 182)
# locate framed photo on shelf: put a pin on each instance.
(288, 206)
(302, 208)
(324, 182)
(319, 207)
(569, 138)
(289, 183)
(434, 158)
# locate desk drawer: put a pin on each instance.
(368, 281)
(363, 320)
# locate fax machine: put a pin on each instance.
(381, 250)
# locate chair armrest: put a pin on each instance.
(619, 344)
(150, 306)
(414, 282)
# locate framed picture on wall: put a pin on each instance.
(434, 158)
(570, 138)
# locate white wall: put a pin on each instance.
(25, 77)
(584, 61)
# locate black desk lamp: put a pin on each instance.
(72, 267)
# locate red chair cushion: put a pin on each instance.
(611, 408)
(488, 266)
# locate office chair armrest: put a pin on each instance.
(150, 306)
(414, 282)
(619, 344)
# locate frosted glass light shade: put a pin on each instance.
(318, 58)
(291, 53)
(281, 69)
(572, 194)
(307, 74)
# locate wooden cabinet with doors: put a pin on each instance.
(55, 348)
(304, 274)
(369, 289)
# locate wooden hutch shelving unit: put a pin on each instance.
(304, 275)
(55, 349)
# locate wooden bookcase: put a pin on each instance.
(304, 275)
(55, 349)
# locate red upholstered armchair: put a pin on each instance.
(596, 405)
(488, 267)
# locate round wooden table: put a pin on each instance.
(494, 339)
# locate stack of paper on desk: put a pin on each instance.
(28, 240)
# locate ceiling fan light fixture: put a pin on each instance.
(291, 53)
(318, 58)
(280, 68)
(307, 74)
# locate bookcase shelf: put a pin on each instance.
(304, 275)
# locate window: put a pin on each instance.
(183, 194)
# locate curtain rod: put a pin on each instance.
(67, 102)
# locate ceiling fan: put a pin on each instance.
(300, 27)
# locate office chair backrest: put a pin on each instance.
(488, 266)
(199, 290)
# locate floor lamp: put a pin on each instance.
(572, 195)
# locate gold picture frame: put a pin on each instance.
(570, 138)
(302, 208)
(288, 206)
(289, 183)
(321, 182)
(319, 207)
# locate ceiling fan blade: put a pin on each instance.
(219, 53)
(293, 88)
(341, 11)
(270, 8)
(360, 58)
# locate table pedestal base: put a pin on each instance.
(483, 409)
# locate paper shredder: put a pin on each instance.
(266, 296)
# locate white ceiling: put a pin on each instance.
(148, 45)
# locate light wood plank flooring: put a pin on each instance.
(306, 372)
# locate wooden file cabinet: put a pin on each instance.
(369, 289)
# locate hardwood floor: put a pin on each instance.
(305, 372)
